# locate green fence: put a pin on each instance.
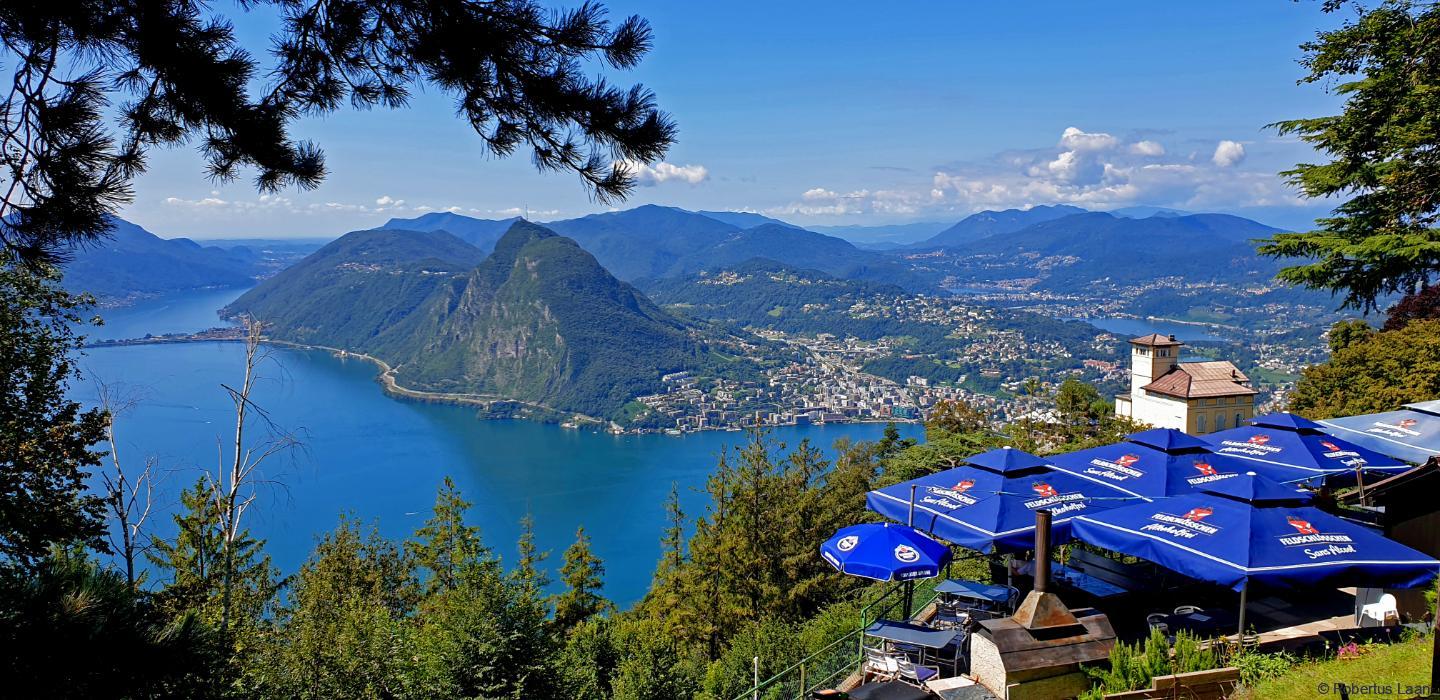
(830, 665)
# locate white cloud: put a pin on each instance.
(1228, 154)
(1149, 149)
(384, 205)
(1088, 169)
(651, 175)
(1074, 139)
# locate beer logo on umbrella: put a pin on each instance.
(1407, 423)
(963, 485)
(847, 543)
(1302, 526)
(1127, 460)
(1045, 490)
(1258, 439)
(1205, 468)
(907, 554)
(1197, 514)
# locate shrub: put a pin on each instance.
(1256, 667)
(1132, 667)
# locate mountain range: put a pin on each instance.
(656, 242)
(131, 261)
(992, 223)
(1096, 247)
(538, 320)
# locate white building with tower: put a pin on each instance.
(1196, 397)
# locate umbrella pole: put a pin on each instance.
(1244, 597)
(910, 585)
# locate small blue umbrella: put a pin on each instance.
(1412, 434)
(1289, 441)
(989, 511)
(1157, 463)
(885, 552)
(1255, 531)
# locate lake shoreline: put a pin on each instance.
(493, 408)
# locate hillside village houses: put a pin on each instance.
(1196, 397)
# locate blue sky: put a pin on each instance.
(852, 113)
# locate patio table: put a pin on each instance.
(924, 638)
(1078, 579)
(888, 690)
(1204, 622)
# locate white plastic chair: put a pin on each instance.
(914, 673)
(1187, 609)
(880, 664)
(1380, 611)
(1157, 621)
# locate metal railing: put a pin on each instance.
(830, 664)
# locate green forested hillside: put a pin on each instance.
(1090, 248)
(132, 261)
(537, 321)
(358, 286)
(763, 293)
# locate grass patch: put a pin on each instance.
(1399, 670)
(1271, 377)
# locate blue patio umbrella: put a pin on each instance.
(1289, 441)
(1256, 532)
(993, 511)
(1157, 463)
(1007, 460)
(885, 552)
(1411, 434)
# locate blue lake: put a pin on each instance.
(382, 459)
(184, 313)
(1139, 326)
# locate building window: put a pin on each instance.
(1220, 421)
(1200, 423)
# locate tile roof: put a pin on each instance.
(1155, 339)
(1191, 380)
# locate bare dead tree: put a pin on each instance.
(129, 492)
(238, 477)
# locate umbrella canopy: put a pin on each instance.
(1266, 536)
(988, 511)
(885, 552)
(1292, 442)
(1154, 463)
(1412, 434)
(1007, 460)
(988, 592)
(1257, 490)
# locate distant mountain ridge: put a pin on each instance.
(481, 233)
(538, 320)
(991, 223)
(652, 241)
(131, 261)
(1092, 247)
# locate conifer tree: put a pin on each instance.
(529, 571)
(345, 630)
(583, 575)
(191, 571)
(1383, 237)
(450, 551)
(46, 439)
